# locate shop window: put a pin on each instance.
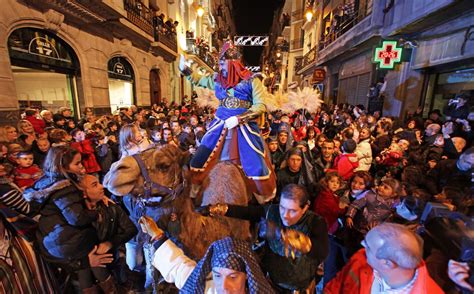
(45, 69)
(121, 83)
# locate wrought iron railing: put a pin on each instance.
(298, 62)
(169, 39)
(347, 22)
(308, 58)
(201, 52)
(139, 15)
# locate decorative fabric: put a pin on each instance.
(236, 72)
(233, 254)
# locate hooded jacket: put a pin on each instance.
(65, 231)
(345, 165)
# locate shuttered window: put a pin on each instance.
(354, 90)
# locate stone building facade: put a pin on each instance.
(78, 54)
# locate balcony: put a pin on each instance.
(298, 63)
(165, 38)
(343, 24)
(308, 58)
(81, 11)
(199, 52)
(139, 15)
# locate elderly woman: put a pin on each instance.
(232, 264)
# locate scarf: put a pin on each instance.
(232, 254)
(235, 73)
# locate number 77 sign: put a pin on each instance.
(388, 54)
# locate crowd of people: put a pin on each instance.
(341, 174)
(344, 200)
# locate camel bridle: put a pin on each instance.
(166, 194)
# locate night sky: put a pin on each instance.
(254, 17)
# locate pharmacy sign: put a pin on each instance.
(388, 54)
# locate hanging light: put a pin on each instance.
(278, 54)
(309, 14)
(200, 11)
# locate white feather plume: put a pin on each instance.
(276, 101)
(206, 97)
(307, 98)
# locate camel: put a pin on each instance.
(166, 166)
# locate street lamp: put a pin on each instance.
(309, 14)
(200, 11)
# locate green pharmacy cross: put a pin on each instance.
(388, 54)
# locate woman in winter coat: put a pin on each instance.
(65, 231)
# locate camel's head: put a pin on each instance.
(164, 166)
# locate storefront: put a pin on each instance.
(445, 85)
(448, 65)
(121, 83)
(354, 80)
(45, 70)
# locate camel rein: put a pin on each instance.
(166, 194)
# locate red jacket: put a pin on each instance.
(345, 164)
(26, 176)
(88, 155)
(38, 124)
(327, 206)
(357, 276)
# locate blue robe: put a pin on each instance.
(250, 143)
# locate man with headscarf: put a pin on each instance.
(232, 264)
(294, 240)
(296, 169)
(234, 135)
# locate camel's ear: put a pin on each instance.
(122, 176)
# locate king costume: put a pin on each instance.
(241, 95)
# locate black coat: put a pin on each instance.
(65, 232)
(116, 226)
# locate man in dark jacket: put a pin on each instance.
(453, 173)
(288, 271)
(114, 227)
(325, 160)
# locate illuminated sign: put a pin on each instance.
(251, 40)
(388, 54)
(318, 75)
(254, 68)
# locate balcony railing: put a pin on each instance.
(169, 39)
(346, 22)
(139, 15)
(298, 63)
(201, 52)
(297, 44)
(308, 58)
